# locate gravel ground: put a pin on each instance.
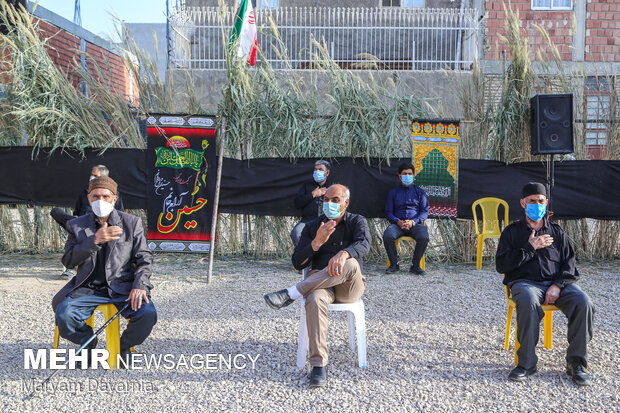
(435, 343)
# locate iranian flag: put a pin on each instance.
(245, 30)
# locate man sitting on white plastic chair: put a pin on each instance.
(334, 244)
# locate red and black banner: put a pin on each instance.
(181, 172)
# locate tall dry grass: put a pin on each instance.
(284, 114)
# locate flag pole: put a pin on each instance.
(216, 200)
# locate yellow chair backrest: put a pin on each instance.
(490, 220)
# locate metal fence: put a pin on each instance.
(400, 38)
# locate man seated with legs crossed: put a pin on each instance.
(538, 264)
(114, 265)
(406, 208)
(334, 245)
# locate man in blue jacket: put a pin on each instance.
(406, 208)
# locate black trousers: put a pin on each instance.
(573, 302)
(418, 232)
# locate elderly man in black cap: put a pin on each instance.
(114, 266)
(539, 267)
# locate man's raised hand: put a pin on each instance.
(323, 233)
(318, 191)
(541, 241)
(107, 233)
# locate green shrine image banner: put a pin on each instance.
(435, 155)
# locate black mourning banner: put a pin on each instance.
(180, 184)
(583, 189)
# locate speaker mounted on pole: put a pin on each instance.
(551, 124)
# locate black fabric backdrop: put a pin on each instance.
(268, 186)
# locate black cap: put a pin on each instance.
(533, 188)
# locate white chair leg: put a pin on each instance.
(360, 327)
(361, 349)
(352, 330)
(302, 345)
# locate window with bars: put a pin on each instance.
(597, 96)
(552, 4)
(402, 3)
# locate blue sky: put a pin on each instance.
(97, 14)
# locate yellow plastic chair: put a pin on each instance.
(112, 332)
(490, 222)
(547, 325)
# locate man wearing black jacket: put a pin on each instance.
(334, 246)
(114, 265)
(538, 264)
(309, 198)
(82, 207)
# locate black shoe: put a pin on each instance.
(578, 373)
(392, 269)
(278, 299)
(520, 374)
(318, 377)
(87, 350)
(416, 270)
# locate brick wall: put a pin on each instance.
(61, 48)
(557, 23)
(602, 29)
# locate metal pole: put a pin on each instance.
(216, 200)
(552, 180)
(246, 222)
(168, 42)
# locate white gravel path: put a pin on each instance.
(435, 343)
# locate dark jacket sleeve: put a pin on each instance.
(78, 252)
(361, 239)
(302, 198)
(78, 206)
(389, 208)
(303, 254)
(422, 214)
(509, 256)
(142, 258)
(568, 270)
(119, 204)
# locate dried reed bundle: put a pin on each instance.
(284, 114)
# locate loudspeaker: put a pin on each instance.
(551, 124)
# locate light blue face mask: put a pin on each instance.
(535, 212)
(407, 179)
(319, 176)
(331, 210)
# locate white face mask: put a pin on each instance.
(102, 208)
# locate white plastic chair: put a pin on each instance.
(357, 327)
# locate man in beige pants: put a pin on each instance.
(334, 245)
